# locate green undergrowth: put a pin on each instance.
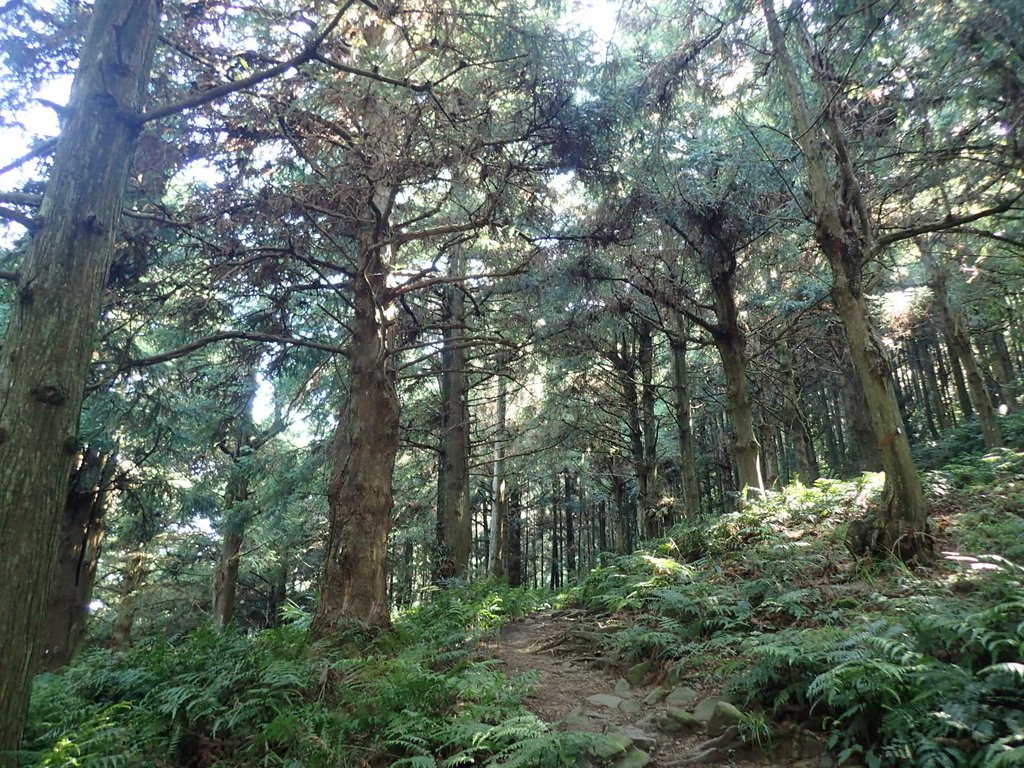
(420, 696)
(920, 669)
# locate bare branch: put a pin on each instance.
(950, 222)
(308, 53)
(187, 349)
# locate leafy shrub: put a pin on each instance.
(414, 696)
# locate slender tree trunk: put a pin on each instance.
(354, 584)
(127, 606)
(960, 348)
(225, 581)
(844, 236)
(570, 524)
(78, 554)
(515, 539)
(278, 591)
(499, 484)
(684, 426)
(803, 447)
(649, 427)
(49, 339)
(454, 514)
(1003, 369)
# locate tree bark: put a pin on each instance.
(127, 606)
(499, 484)
(78, 553)
(731, 342)
(960, 347)
(684, 423)
(49, 340)
(515, 539)
(803, 447)
(843, 232)
(354, 584)
(454, 521)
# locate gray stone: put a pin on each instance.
(634, 758)
(621, 687)
(826, 761)
(723, 716)
(631, 707)
(604, 700)
(684, 718)
(706, 709)
(655, 696)
(638, 673)
(612, 744)
(681, 697)
(641, 738)
(595, 715)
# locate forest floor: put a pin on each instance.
(662, 726)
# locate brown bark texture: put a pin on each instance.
(49, 339)
(354, 584)
(78, 554)
(844, 232)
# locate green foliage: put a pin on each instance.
(413, 696)
(963, 445)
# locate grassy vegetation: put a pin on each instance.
(419, 696)
(922, 669)
(898, 668)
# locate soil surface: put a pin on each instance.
(578, 688)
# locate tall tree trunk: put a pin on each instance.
(78, 553)
(803, 447)
(1003, 370)
(843, 231)
(354, 584)
(127, 606)
(49, 340)
(731, 343)
(499, 483)
(454, 521)
(570, 525)
(515, 539)
(684, 425)
(649, 427)
(855, 408)
(225, 579)
(960, 346)
(240, 445)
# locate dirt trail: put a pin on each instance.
(575, 690)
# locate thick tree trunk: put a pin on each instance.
(454, 520)
(78, 553)
(649, 469)
(49, 340)
(354, 583)
(844, 236)
(684, 425)
(731, 343)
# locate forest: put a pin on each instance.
(428, 384)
